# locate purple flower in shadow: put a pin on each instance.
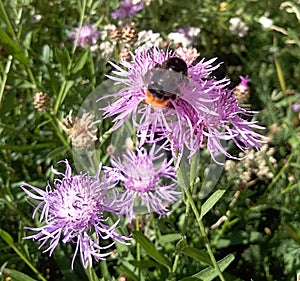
(148, 180)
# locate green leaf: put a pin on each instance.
(7, 238)
(79, 64)
(210, 202)
(63, 58)
(69, 85)
(169, 238)
(190, 279)
(13, 47)
(17, 275)
(210, 273)
(148, 246)
(198, 255)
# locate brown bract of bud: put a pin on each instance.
(41, 101)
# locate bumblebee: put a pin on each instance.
(163, 85)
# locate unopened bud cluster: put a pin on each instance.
(41, 101)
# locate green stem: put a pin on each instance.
(138, 246)
(7, 21)
(181, 173)
(92, 66)
(63, 86)
(191, 202)
(23, 257)
(284, 167)
(58, 132)
(4, 78)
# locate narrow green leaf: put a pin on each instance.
(69, 85)
(13, 47)
(280, 75)
(211, 201)
(190, 279)
(210, 273)
(150, 249)
(7, 238)
(169, 238)
(79, 64)
(198, 255)
(47, 54)
(63, 58)
(17, 275)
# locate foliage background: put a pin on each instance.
(37, 55)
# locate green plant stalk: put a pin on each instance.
(138, 246)
(284, 167)
(176, 259)
(20, 254)
(181, 173)
(16, 37)
(63, 86)
(58, 132)
(4, 78)
(92, 66)
(280, 75)
(203, 233)
(7, 21)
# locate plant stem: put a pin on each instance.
(4, 78)
(182, 173)
(59, 99)
(20, 254)
(191, 202)
(138, 246)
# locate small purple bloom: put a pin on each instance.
(203, 113)
(127, 9)
(296, 107)
(244, 81)
(73, 212)
(87, 35)
(149, 181)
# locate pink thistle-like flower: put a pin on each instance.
(127, 9)
(202, 111)
(148, 179)
(244, 81)
(87, 35)
(73, 212)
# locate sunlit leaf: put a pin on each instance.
(211, 201)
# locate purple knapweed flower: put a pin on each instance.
(127, 8)
(73, 212)
(202, 111)
(148, 179)
(87, 35)
(296, 107)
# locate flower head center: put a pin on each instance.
(141, 176)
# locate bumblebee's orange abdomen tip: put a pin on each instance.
(154, 101)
